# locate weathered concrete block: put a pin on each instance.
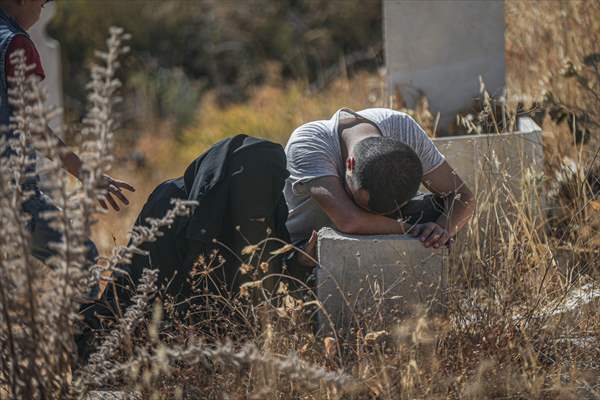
(488, 160)
(440, 48)
(376, 276)
(49, 50)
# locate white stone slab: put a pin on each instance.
(441, 48)
(485, 161)
(574, 304)
(49, 50)
(376, 276)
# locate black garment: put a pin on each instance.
(422, 208)
(43, 235)
(238, 184)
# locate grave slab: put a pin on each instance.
(487, 160)
(376, 276)
(440, 48)
(49, 50)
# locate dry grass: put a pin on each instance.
(508, 332)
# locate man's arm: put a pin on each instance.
(460, 202)
(72, 164)
(329, 193)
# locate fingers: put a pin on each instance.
(426, 231)
(108, 197)
(438, 237)
(113, 188)
(103, 204)
(439, 240)
(112, 202)
(117, 192)
(430, 234)
(123, 185)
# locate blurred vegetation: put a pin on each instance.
(274, 110)
(552, 53)
(226, 46)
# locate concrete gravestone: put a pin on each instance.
(440, 48)
(380, 276)
(49, 50)
(488, 160)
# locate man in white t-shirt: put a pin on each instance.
(360, 171)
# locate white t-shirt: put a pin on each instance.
(314, 151)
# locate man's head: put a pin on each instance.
(25, 12)
(382, 174)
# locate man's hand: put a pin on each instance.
(430, 234)
(113, 188)
(72, 164)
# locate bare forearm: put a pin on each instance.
(72, 164)
(70, 161)
(371, 224)
(347, 217)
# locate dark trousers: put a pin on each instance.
(42, 234)
(424, 207)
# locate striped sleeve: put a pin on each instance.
(310, 155)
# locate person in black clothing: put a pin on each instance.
(238, 184)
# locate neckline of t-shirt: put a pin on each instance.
(339, 134)
(355, 114)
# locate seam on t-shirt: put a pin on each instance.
(306, 179)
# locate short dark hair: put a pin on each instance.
(389, 170)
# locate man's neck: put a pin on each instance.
(354, 134)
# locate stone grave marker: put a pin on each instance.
(49, 50)
(376, 275)
(440, 48)
(486, 160)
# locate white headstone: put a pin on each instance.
(441, 48)
(485, 161)
(49, 50)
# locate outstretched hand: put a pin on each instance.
(431, 234)
(114, 189)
